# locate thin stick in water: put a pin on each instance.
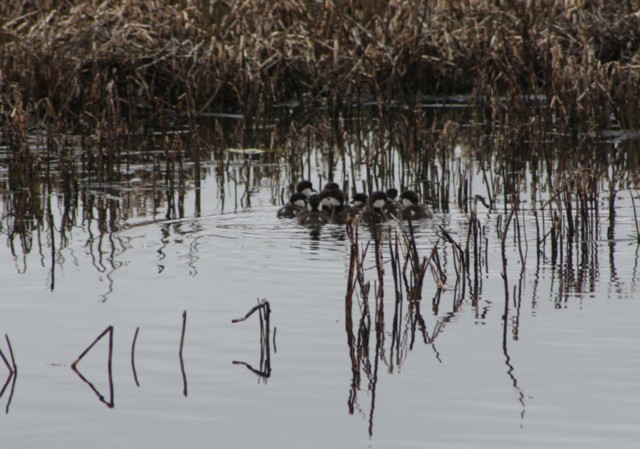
(6, 362)
(263, 304)
(13, 359)
(184, 374)
(133, 351)
(109, 329)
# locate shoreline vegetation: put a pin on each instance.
(112, 112)
(95, 95)
(73, 62)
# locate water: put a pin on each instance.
(561, 372)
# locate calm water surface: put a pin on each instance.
(565, 374)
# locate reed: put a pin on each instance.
(74, 366)
(264, 315)
(133, 358)
(182, 370)
(570, 62)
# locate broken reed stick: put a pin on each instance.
(109, 330)
(184, 327)
(264, 304)
(109, 403)
(13, 360)
(275, 349)
(635, 217)
(133, 350)
(6, 384)
(264, 312)
(444, 234)
(13, 373)
(353, 280)
(250, 368)
(6, 362)
(395, 263)
(352, 234)
(182, 370)
(433, 262)
(109, 368)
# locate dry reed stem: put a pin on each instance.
(252, 55)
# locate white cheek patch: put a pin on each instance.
(358, 204)
(406, 202)
(306, 192)
(300, 203)
(335, 202)
(377, 204)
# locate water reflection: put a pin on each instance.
(565, 207)
(182, 370)
(12, 376)
(406, 264)
(264, 314)
(540, 227)
(133, 357)
(74, 366)
(512, 321)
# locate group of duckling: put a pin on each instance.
(310, 208)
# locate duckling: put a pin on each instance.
(326, 204)
(412, 210)
(339, 206)
(305, 187)
(313, 216)
(331, 186)
(333, 200)
(297, 203)
(392, 207)
(374, 212)
(359, 202)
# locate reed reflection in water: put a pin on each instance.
(499, 313)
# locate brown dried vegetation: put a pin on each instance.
(580, 57)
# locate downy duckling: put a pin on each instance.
(326, 204)
(313, 216)
(392, 207)
(333, 200)
(374, 212)
(331, 186)
(305, 187)
(359, 202)
(392, 194)
(339, 205)
(297, 203)
(412, 210)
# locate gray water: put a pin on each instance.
(565, 373)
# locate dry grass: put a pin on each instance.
(246, 56)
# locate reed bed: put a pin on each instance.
(572, 63)
(87, 89)
(93, 82)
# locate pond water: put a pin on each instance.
(449, 371)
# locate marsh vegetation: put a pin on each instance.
(518, 123)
